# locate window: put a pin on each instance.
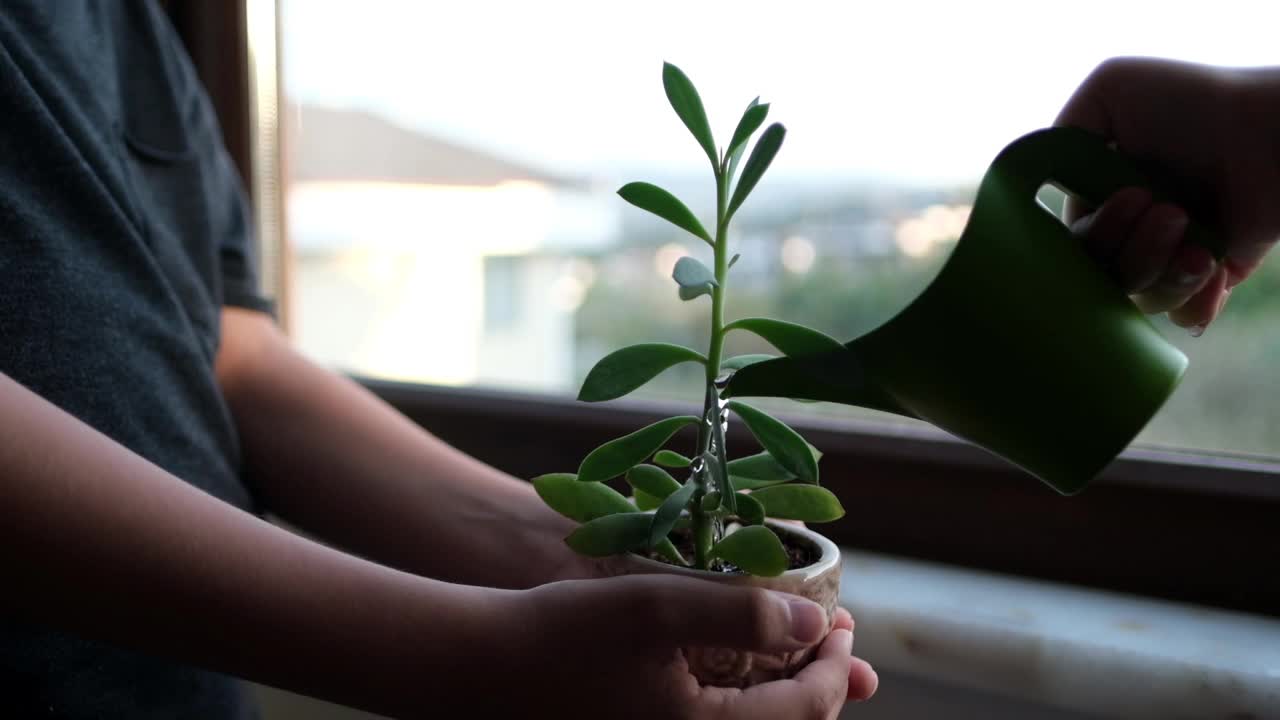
(449, 201)
(451, 176)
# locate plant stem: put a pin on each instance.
(703, 523)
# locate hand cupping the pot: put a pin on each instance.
(698, 626)
(1210, 137)
(612, 648)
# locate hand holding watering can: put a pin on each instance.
(1024, 344)
(1215, 133)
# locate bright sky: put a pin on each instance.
(886, 89)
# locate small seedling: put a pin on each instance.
(781, 482)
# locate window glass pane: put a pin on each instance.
(451, 172)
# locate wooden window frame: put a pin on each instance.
(1181, 526)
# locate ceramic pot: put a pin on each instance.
(729, 667)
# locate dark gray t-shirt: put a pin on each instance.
(123, 231)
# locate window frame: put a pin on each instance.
(1175, 525)
(1187, 526)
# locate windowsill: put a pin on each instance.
(1088, 651)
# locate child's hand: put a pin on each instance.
(1218, 132)
(609, 648)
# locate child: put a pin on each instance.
(150, 410)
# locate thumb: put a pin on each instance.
(684, 611)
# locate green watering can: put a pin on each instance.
(1022, 344)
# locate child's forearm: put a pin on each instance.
(98, 541)
(332, 459)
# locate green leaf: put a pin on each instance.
(717, 478)
(712, 468)
(736, 155)
(762, 470)
(741, 483)
(653, 481)
(761, 467)
(711, 501)
(783, 443)
(622, 371)
(693, 277)
(755, 549)
(669, 512)
(618, 456)
(668, 550)
(685, 101)
(671, 459)
(689, 293)
(808, 503)
(761, 155)
(690, 272)
(645, 501)
(792, 339)
(751, 121)
(730, 491)
(647, 196)
(578, 500)
(750, 511)
(737, 362)
(611, 534)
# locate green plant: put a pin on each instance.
(781, 482)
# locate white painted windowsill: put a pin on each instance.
(1059, 647)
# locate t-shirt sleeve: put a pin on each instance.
(230, 217)
(238, 261)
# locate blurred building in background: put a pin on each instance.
(418, 259)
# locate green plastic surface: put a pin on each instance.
(1021, 344)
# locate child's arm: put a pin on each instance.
(330, 458)
(98, 541)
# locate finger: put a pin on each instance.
(816, 693)
(842, 620)
(1250, 223)
(1242, 259)
(863, 680)
(684, 612)
(1204, 306)
(1145, 256)
(1073, 209)
(1191, 268)
(1105, 232)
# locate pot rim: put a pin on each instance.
(828, 557)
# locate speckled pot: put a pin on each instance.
(727, 667)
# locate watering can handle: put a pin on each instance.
(1083, 164)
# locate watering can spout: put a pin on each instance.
(1021, 344)
(839, 377)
